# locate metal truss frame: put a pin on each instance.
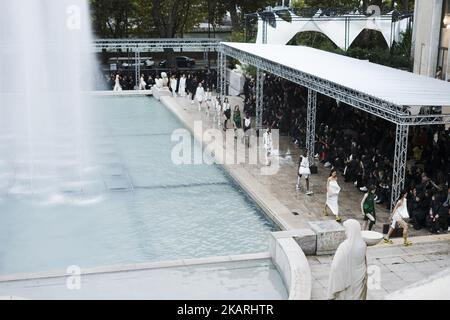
(137, 72)
(260, 76)
(311, 125)
(222, 75)
(400, 157)
(388, 111)
(156, 45)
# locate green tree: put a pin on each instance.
(112, 19)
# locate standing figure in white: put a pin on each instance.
(200, 96)
(182, 87)
(117, 86)
(348, 276)
(268, 144)
(173, 85)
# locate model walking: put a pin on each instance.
(267, 141)
(304, 171)
(368, 208)
(237, 121)
(399, 213)
(333, 190)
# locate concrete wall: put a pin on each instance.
(427, 27)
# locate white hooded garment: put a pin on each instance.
(348, 275)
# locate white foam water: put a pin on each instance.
(45, 65)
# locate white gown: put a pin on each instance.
(173, 86)
(400, 214)
(143, 84)
(182, 88)
(333, 196)
(200, 94)
(348, 275)
(117, 86)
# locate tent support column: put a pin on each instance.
(137, 69)
(222, 75)
(400, 157)
(311, 124)
(259, 98)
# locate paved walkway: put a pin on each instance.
(294, 206)
(276, 194)
(399, 266)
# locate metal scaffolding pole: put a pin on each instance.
(218, 70)
(400, 157)
(259, 98)
(311, 124)
(137, 68)
(222, 76)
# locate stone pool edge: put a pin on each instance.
(273, 208)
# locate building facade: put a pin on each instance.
(431, 36)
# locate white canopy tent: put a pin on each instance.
(388, 93)
(341, 30)
(395, 86)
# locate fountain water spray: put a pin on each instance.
(45, 65)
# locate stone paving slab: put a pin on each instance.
(399, 267)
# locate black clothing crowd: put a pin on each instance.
(361, 147)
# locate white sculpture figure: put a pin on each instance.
(348, 276)
(165, 80)
(117, 86)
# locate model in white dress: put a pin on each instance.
(268, 144)
(304, 171)
(200, 96)
(333, 190)
(348, 275)
(142, 83)
(399, 215)
(173, 86)
(182, 88)
(117, 86)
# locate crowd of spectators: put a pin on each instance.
(128, 79)
(361, 147)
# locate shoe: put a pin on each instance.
(355, 183)
(338, 219)
(297, 187)
(363, 189)
(327, 165)
(309, 193)
(407, 243)
(388, 241)
(378, 201)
